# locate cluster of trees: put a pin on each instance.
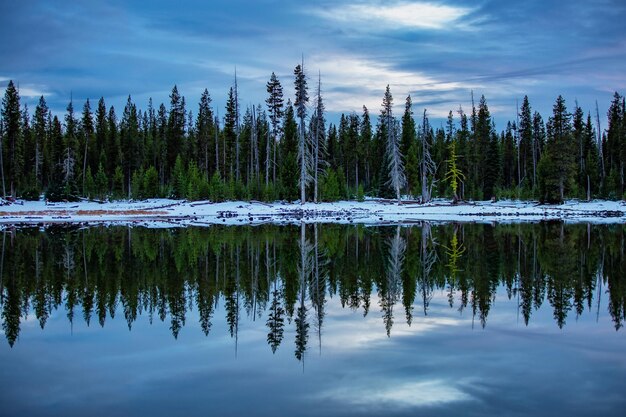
(258, 272)
(285, 150)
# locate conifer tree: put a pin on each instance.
(40, 135)
(616, 143)
(230, 134)
(204, 133)
(87, 132)
(557, 166)
(304, 157)
(175, 128)
(275, 109)
(12, 138)
(289, 155)
(69, 154)
(130, 142)
(101, 134)
(365, 145)
(528, 157)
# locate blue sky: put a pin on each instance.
(438, 51)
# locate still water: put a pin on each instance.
(453, 319)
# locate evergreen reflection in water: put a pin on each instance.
(284, 274)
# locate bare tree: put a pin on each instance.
(397, 177)
(428, 166)
(396, 248)
(318, 137)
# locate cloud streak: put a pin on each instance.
(404, 15)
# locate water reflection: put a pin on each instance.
(284, 275)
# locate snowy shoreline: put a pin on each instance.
(155, 212)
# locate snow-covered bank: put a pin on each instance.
(177, 212)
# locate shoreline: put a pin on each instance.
(371, 212)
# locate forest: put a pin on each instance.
(286, 150)
(286, 276)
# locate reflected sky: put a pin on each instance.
(444, 363)
(439, 365)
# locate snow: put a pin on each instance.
(163, 212)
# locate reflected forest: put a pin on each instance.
(284, 276)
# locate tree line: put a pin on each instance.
(286, 150)
(230, 273)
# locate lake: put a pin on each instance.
(335, 320)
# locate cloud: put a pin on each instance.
(399, 394)
(406, 15)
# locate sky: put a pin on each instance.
(436, 51)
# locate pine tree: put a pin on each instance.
(70, 154)
(130, 142)
(40, 135)
(528, 157)
(101, 133)
(113, 154)
(304, 157)
(289, 155)
(615, 143)
(87, 132)
(12, 138)
(275, 109)
(365, 145)
(557, 166)
(483, 151)
(230, 134)
(27, 178)
(508, 157)
(175, 128)
(205, 134)
(409, 134)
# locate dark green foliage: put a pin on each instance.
(259, 158)
(557, 167)
(330, 189)
(151, 182)
(255, 272)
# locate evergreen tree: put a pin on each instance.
(230, 133)
(26, 177)
(70, 153)
(304, 157)
(113, 154)
(365, 145)
(484, 150)
(615, 142)
(508, 158)
(289, 155)
(130, 142)
(12, 139)
(557, 166)
(275, 109)
(40, 135)
(175, 128)
(527, 154)
(86, 135)
(409, 134)
(101, 134)
(205, 134)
